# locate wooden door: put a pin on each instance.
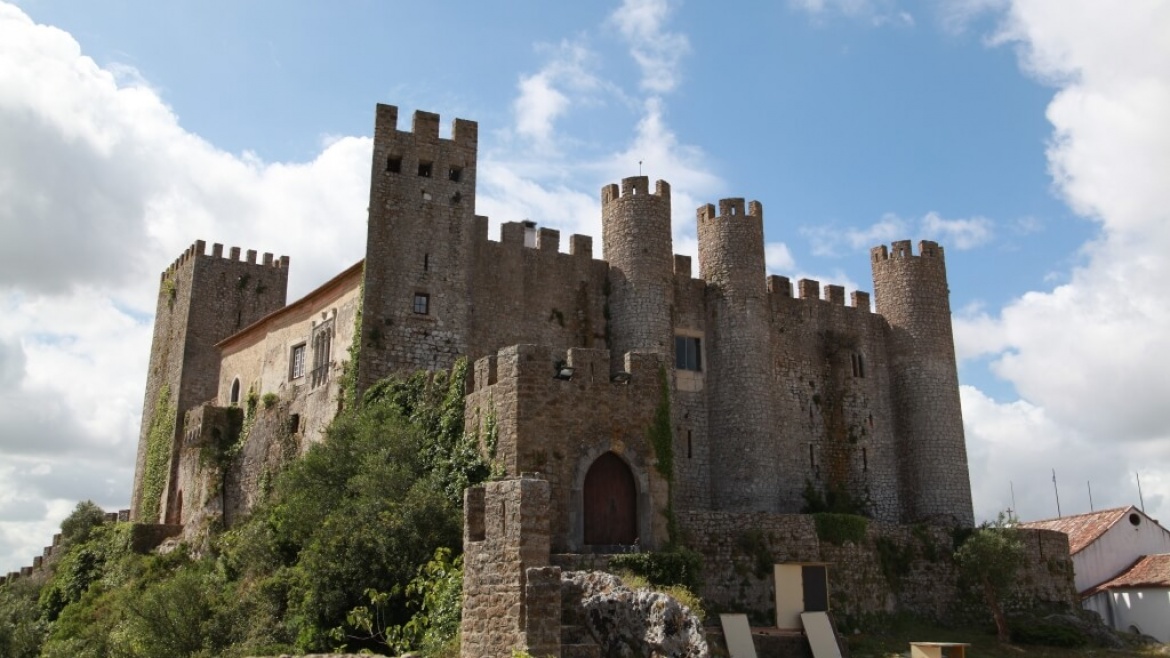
(611, 503)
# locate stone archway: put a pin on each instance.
(610, 501)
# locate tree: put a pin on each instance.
(991, 558)
(85, 517)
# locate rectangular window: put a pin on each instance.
(455, 174)
(424, 169)
(394, 164)
(688, 353)
(422, 303)
(296, 362)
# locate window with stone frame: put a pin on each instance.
(422, 303)
(296, 362)
(858, 363)
(688, 353)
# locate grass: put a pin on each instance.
(893, 641)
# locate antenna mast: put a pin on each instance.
(1057, 490)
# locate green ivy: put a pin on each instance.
(840, 528)
(659, 433)
(159, 439)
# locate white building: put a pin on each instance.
(1121, 559)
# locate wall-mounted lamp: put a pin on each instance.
(621, 377)
(563, 372)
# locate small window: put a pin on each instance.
(455, 174)
(858, 365)
(235, 397)
(294, 423)
(394, 164)
(422, 303)
(296, 362)
(688, 353)
(424, 169)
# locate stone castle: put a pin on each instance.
(773, 398)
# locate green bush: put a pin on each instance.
(677, 566)
(840, 528)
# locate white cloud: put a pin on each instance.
(100, 188)
(878, 12)
(544, 95)
(778, 258)
(958, 233)
(1086, 355)
(657, 50)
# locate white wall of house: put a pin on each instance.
(1144, 609)
(1118, 548)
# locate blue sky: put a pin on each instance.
(1026, 136)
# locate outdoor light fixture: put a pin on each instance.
(621, 377)
(563, 372)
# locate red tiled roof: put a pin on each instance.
(1148, 571)
(1082, 529)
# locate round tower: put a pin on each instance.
(635, 230)
(911, 292)
(738, 377)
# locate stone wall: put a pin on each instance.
(895, 568)
(511, 595)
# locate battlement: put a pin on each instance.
(527, 234)
(198, 250)
(634, 186)
(424, 126)
(810, 290)
(729, 208)
(901, 249)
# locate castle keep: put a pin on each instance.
(627, 382)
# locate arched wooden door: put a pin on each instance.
(611, 503)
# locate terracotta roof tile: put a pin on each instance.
(1082, 529)
(1148, 571)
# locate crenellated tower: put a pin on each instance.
(636, 238)
(202, 299)
(911, 292)
(739, 376)
(415, 311)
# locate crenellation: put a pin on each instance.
(512, 233)
(581, 245)
(809, 288)
(251, 256)
(835, 295)
(780, 285)
(234, 253)
(425, 125)
(548, 239)
(859, 299)
(217, 250)
(267, 259)
(682, 266)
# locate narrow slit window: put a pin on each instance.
(864, 460)
(858, 363)
(424, 169)
(426, 262)
(422, 303)
(394, 164)
(688, 444)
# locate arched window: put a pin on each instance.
(610, 499)
(235, 399)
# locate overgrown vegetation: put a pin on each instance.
(840, 528)
(356, 546)
(158, 445)
(674, 566)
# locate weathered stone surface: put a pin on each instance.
(627, 622)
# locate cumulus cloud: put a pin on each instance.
(657, 51)
(544, 95)
(1084, 355)
(100, 187)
